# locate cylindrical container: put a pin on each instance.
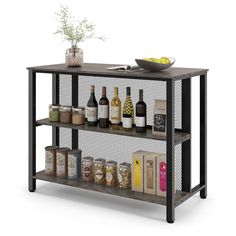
(111, 173)
(65, 114)
(124, 175)
(54, 113)
(78, 115)
(87, 169)
(50, 160)
(74, 163)
(100, 171)
(62, 162)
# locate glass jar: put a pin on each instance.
(78, 115)
(111, 173)
(54, 113)
(50, 160)
(87, 169)
(62, 162)
(65, 114)
(74, 163)
(124, 175)
(74, 56)
(100, 171)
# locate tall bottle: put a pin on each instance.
(140, 114)
(128, 111)
(92, 109)
(115, 110)
(104, 110)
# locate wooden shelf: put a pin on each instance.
(179, 137)
(179, 196)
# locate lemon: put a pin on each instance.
(164, 60)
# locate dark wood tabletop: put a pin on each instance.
(100, 70)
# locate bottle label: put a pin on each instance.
(72, 166)
(92, 114)
(127, 122)
(115, 115)
(48, 162)
(103, 111)
(60, 164)
(140, 121)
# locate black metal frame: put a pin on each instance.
(170, 145)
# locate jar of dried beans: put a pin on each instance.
(124, 175)
(111, 173)
(65, 114)
(100, 171)
(87, 169)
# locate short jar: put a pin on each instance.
(100, 171)
(65, 114)
(111, 173)
(87, 169)
(124, 175)
(62, 162)
(78, 115)
(54, 113)
(50, 160)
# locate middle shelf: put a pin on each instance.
(179, 136)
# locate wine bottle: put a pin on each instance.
(92, 109)
(140, 114)
(115, 110)
(104, 110)
(128, 111)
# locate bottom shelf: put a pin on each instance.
(179, 196)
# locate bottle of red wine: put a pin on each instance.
(92, 109)
(104, 110)
(140, 114)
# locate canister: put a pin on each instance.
(54, 113)
(124, 175)
(50, 160)
(62, 162)
(111, 173)
(100, 171)
(88, 169)
(74, 163)
(65, 114)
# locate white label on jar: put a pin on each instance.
(72, 166)
(109, 176)
(115, 115)
(103, 111)
(127, 122)
(48, 162)
(99, 174)
(140, 121)
(60, 164)
(120, 178)
(92, 114)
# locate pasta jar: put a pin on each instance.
(50, 160)
(87, 169)
(62, 162)
(111, 173)
(100, 171)
(54, 113)
(124, 175)
(74, 164)
(78, 115)
(65, 114)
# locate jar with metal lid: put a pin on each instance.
(87, 169)
(62, 162)
(54, 113)
(78, 115)
(124, 175)
(74, 164)
(50, 160)
(100, 171)
(111, 173)
(65, 114)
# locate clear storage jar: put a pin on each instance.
(88, 169)
(54, 113)
(111, 173)
(100, 171)
(124, 175)
(65, 114)
(78, 115)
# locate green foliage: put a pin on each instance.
(72, 30)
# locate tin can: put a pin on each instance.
(111, 173)
(50, 160)
(87, 169)
(62, 162)
(124, 175)
(100, 171)
(74, 164)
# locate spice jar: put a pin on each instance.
(124, 175)
(111, 173)
(50, 160)
(65, 114)
(74, 164)
(100, 171)
(62, 162)
(54, 113)
(78, 115)
(87, 169)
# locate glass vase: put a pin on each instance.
(74, 57)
